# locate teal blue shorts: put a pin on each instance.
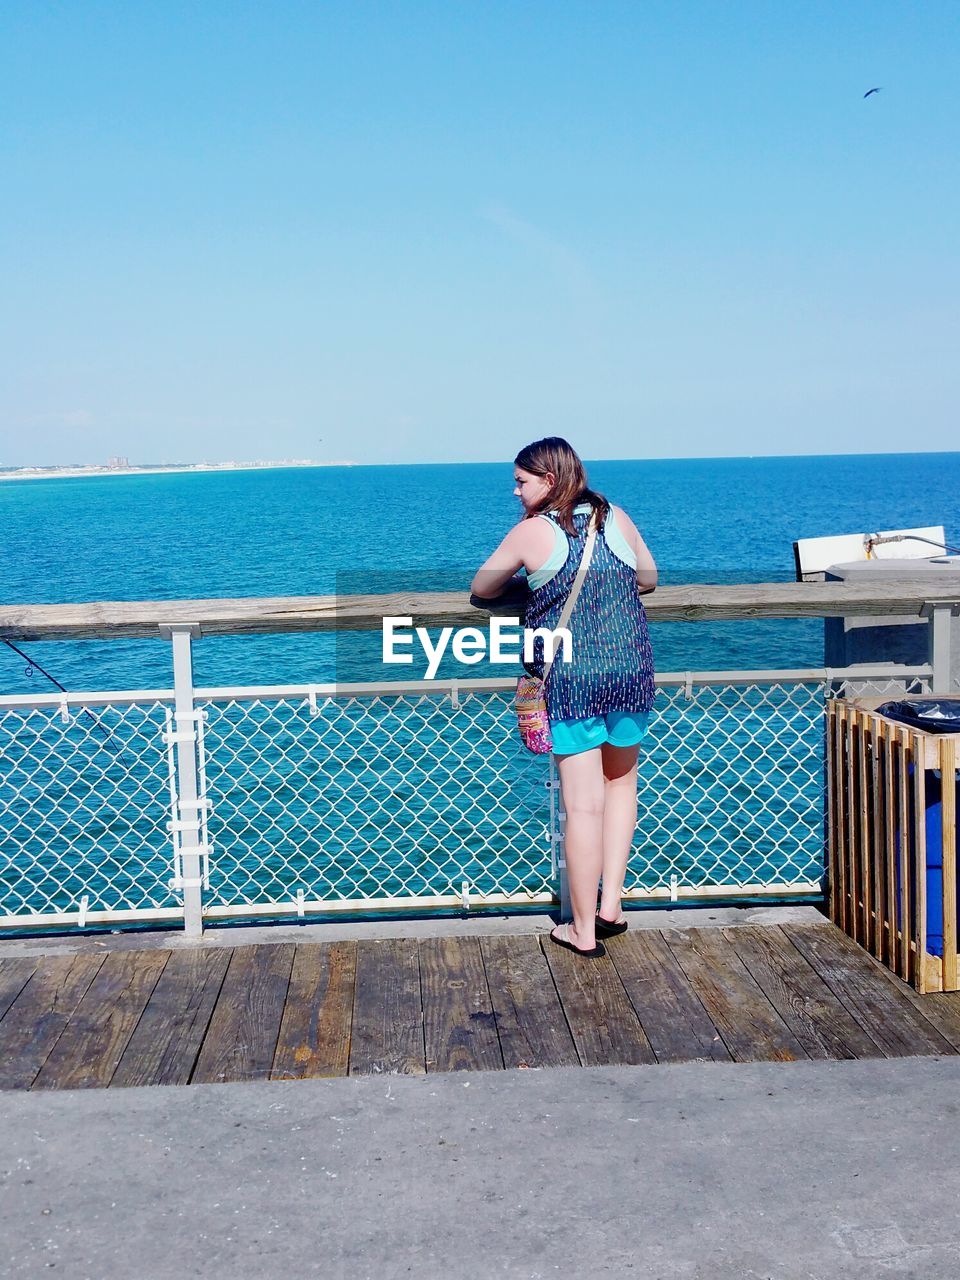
(619, 728)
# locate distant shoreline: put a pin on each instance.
(61, 473)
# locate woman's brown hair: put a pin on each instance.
(554, 456)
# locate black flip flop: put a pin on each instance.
(598, 951)
(608, 929)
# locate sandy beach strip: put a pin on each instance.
(63, 473)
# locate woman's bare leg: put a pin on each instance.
(619, 823)
(582, 789)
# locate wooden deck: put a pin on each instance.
(285, 1011)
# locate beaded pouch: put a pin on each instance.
(532, 720)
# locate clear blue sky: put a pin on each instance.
(430, 232)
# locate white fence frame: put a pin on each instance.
(189, 804)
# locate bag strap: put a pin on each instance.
(578, 582)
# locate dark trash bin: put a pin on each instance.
(936, 715)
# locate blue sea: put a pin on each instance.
(406, 796)
(313, 531)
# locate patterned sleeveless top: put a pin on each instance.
(611, 668)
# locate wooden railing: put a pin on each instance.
(273, 614)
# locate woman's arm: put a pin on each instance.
(494, 574)
(646, 567)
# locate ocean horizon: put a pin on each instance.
(81, 470)
(275, 531)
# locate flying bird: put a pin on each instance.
(876, 90)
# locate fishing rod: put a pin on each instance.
(33, 665)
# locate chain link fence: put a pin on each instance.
(393, 797)
(314, 800)
(85, 795)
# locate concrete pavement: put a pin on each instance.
(778, 1171)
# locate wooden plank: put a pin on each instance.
(834, 867)
(15, 973)
(874, 780)
(531, 1024)
(242, 1037)
(164, 1046)
(920, 857)
(843, 840)
(803, 1000)
(876, 845)
(752, 1029)
(387, 1010)
(459, 1026)
(87, 1053)
(940, 1008)
(268, 615)
(855, 929)
(932, 973)
(894, 952)
(854, 924)
(315, 1031)
(907, 953)
(865, 833)
(854, 919)
(675, 1022)
(35, 1021)
(949, 840)
(602, 1020)
(866, 989)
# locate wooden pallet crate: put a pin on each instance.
(876, 839)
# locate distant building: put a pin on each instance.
(117, 463)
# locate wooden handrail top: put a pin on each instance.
(113, 619)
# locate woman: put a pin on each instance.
(599, 702)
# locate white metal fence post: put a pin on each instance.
(187, 820)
